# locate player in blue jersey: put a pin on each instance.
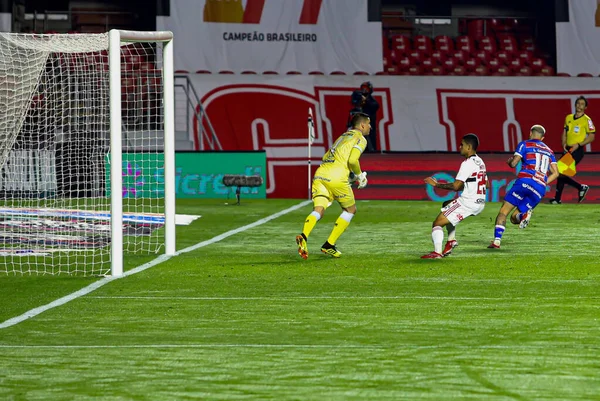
(529, 188)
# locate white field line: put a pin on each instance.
(92, 287)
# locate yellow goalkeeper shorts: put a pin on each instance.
(325, 191)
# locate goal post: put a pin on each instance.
(116, 37)
(87, 150)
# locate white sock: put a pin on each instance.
(437, 235)
(317, 215)
(347, 216)
(451, 232)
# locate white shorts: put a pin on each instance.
(458, 209)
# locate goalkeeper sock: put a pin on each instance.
(498, 232)
(341, 224)
(310, 223)
(437, 236)
(451, 232)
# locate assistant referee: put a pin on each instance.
(579, 131)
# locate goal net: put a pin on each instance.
(83, 152)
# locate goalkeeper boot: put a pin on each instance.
(330, 250)
(302, 246)
(525, 218)
(450, 245)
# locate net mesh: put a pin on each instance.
(54, 152)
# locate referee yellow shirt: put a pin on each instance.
(578, 128)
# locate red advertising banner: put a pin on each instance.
(399, 176)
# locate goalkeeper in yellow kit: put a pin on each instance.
(331, 182)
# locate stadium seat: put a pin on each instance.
(461, 56)
(563, 74)
(547, 71)
(505, 56)
(444, 43)
(480, 70)
(382, 72)
(248, 72)
(483, 56)
(465, 43)
(415, 70)
(401, 42)
(528, 43)
(537, 64)
(392, 70)
(502, 71)
(337, 73)
(316, 73)
(423, 44)
(428, 63)
(487, 43)
(524, 71)
(416, 56)
(476, 28)
(472, 63)
(449, 64)
(405, 62)
(361, 73)
(202, 72)
(226, 72)
(270, 72)
(585, 75)
(439, 56)
(495, 63)
(516, 64)
(459, 70)
(293, 73)
(508, 43)
(525, 55)
(438, 70)
(182, 72)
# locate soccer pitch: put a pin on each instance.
(247, 318)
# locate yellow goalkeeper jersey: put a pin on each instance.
(335, 161)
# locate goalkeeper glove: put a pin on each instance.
(362, 180)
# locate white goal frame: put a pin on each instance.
(116, 37)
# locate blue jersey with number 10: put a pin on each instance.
(536, 158)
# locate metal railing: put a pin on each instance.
(192, 107)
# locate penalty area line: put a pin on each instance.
(94, 286)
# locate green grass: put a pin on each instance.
(246, 318)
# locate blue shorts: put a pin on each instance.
(525, 194)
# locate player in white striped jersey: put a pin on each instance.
(472, 181)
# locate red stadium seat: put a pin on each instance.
(361, 73)
(424, 48)
(401, 42)
(528, 43)
(481, 70)
(417, 56)
(458, 70)
(438, 70)
(516, 64)
(488, 44)
(502, 71)
(316, 73)
(270, 73)
(226, 72)
(494, 64)
(422, 39)
(444, 43)
(202, 72)
(505, 56)
(472, 63)
(396, 54)
(563, 74)
(428, 64)
(293, 73)
(415, 70)
(465, 43)
(507, 42)
(585, 75)
(483, 56)
(450, 64)
(337, 73)
(439, 56)
(524, 71)
(182, 72)
(249, 72)
(405, 62)
(537, 64)
(461, 56)
(476, 28)
(525, 55)
(393, 70)
(382, 73)
(547, 71)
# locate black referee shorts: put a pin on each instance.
(577, 155)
